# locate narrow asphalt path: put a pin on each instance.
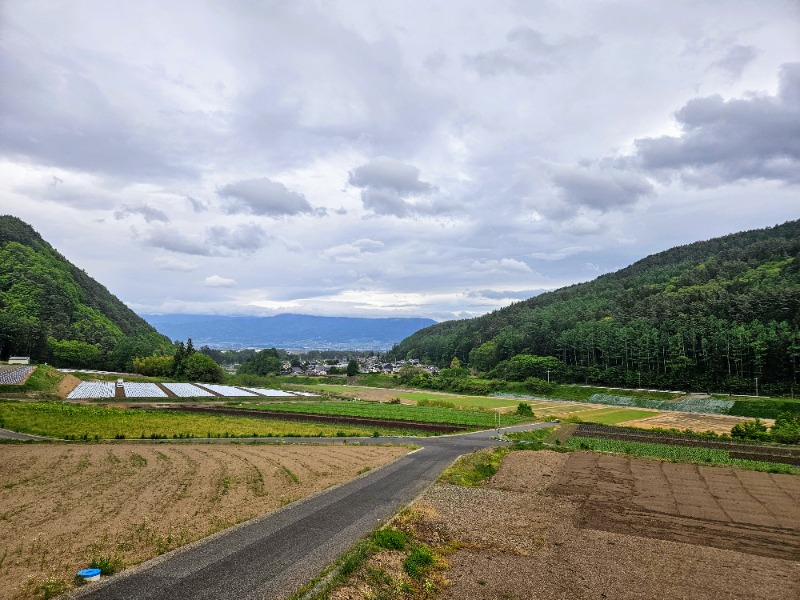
(6, 434)
(272, 556)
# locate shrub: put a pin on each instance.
(750, 430)
(524, 410)
(786, 429)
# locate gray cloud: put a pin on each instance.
(527, 53)
(386, 202)
(242, 238)
(217, 240)
(198, 206)
(736, 59)
(389, 173)
(385, 184)
(756, 137)
(54, 111)
(149, 213)
(263, 197)
(169, 238)
(353, 252)
(602, 188)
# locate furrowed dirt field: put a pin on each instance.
(62, 504)
(585, 525)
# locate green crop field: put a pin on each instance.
(612, 416)
(72, 421)
(376, 410)
(710, 456)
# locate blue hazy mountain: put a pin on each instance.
(288, 331)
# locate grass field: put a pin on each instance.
(612, 416)
(677, 454)
(393, 411)
(71, 421)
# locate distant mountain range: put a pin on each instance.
(288, 331)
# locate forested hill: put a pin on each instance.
(715, 314)
(53, 311)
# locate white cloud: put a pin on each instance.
(217, 281)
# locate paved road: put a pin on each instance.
(6, 434)
(272, 556)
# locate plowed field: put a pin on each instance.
(751, 512)
(60, 505)
(587, 526)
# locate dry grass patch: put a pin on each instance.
(63, 506)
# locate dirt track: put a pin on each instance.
(582, 525)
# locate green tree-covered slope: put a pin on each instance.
(53, 311)
(714, 314)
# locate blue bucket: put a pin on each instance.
(89, 574)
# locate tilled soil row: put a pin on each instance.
(293, 416)
(752, 451)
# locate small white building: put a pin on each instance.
(19, 360)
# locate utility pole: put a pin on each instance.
(498, 421)
(548, 375)
(756, 387)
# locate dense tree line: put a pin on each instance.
(184, 363)
(53, 311)
(715, 314)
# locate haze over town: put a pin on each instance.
(427, 159)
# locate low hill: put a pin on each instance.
(289, 331)
(713, 314)
(53, 311)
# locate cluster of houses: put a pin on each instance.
(370, 364)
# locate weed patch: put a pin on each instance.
(473, 469)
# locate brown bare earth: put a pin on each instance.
(695, 422)
(68, 383)
(585, 525)
(63, 504)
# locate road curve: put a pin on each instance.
(273, 555)
(7, 434)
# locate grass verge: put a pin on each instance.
(394, 562)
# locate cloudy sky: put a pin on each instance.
(432, 158)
